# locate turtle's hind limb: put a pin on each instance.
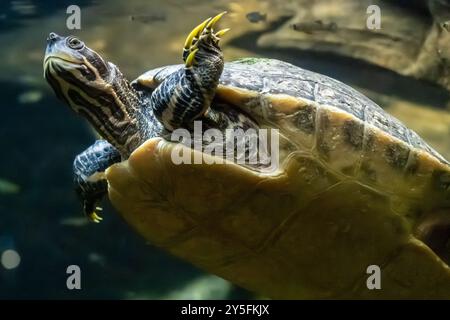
(89, 176)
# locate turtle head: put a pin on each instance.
(68, 59)
(93, 88)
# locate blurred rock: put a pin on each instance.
(412, 41)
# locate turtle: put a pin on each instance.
(355, 204)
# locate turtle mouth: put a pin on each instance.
(53, 57)
(55, 60)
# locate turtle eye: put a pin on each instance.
(75, 43)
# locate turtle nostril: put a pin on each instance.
(52, 36)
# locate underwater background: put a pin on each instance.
(42, 229)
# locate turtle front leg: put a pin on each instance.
(187, 94)
(89, 176)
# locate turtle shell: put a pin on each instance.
(354, 188)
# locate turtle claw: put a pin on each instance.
(213, 21)
(195, 33)
(190, 58)
(94, 217)
(202, 32)
(91, 211)
(220, 33)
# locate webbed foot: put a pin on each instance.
(202, 35)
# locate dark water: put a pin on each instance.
(41, 218)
